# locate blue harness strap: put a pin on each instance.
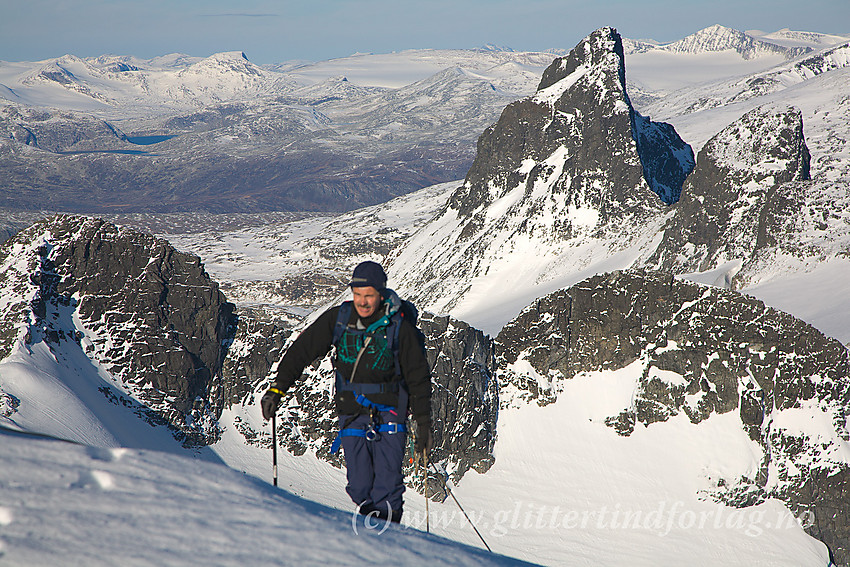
(367, 403)
(370, 433)
(364, 388)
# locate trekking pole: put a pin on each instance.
(427, 498)
(415, 460)
(274, 450)
(449, 490)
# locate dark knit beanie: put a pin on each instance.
(369, 274)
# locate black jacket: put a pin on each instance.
(374, 367)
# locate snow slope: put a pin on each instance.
(66, 504)
(611, 500)
(65, 394)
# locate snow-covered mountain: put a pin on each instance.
(176, 133)
(113, 81)
(720, 38)
(713, 54)
(634, 417)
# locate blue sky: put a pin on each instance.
(276, 31)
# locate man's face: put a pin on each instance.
(367, 300)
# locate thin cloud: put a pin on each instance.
(239, 15)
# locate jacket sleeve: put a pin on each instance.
(314, 342)
(416, 372)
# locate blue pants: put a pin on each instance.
(375, 478)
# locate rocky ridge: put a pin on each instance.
(700, 351)
(731, 206)
(146, 313)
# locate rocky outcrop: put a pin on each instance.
(465, 397)
(146, 312)
(731, 202)
(255, 347)
(700, 351)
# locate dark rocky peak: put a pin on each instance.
(578, 137)
(602, 48)
(696, 352)
(573, 163)
(730, 202)
(146, 312)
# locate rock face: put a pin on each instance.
(702, 351)
(146, 312)
(465, 398)
(573, 161)
(730, 203)
(256, 346)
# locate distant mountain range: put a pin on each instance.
(220, 134)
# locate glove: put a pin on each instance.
(424, 442)
(269, 402)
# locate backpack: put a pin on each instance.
(404, 310)
(399, 311)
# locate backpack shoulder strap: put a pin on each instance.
(342, 319)
(392, 338)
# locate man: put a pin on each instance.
(381, 370)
